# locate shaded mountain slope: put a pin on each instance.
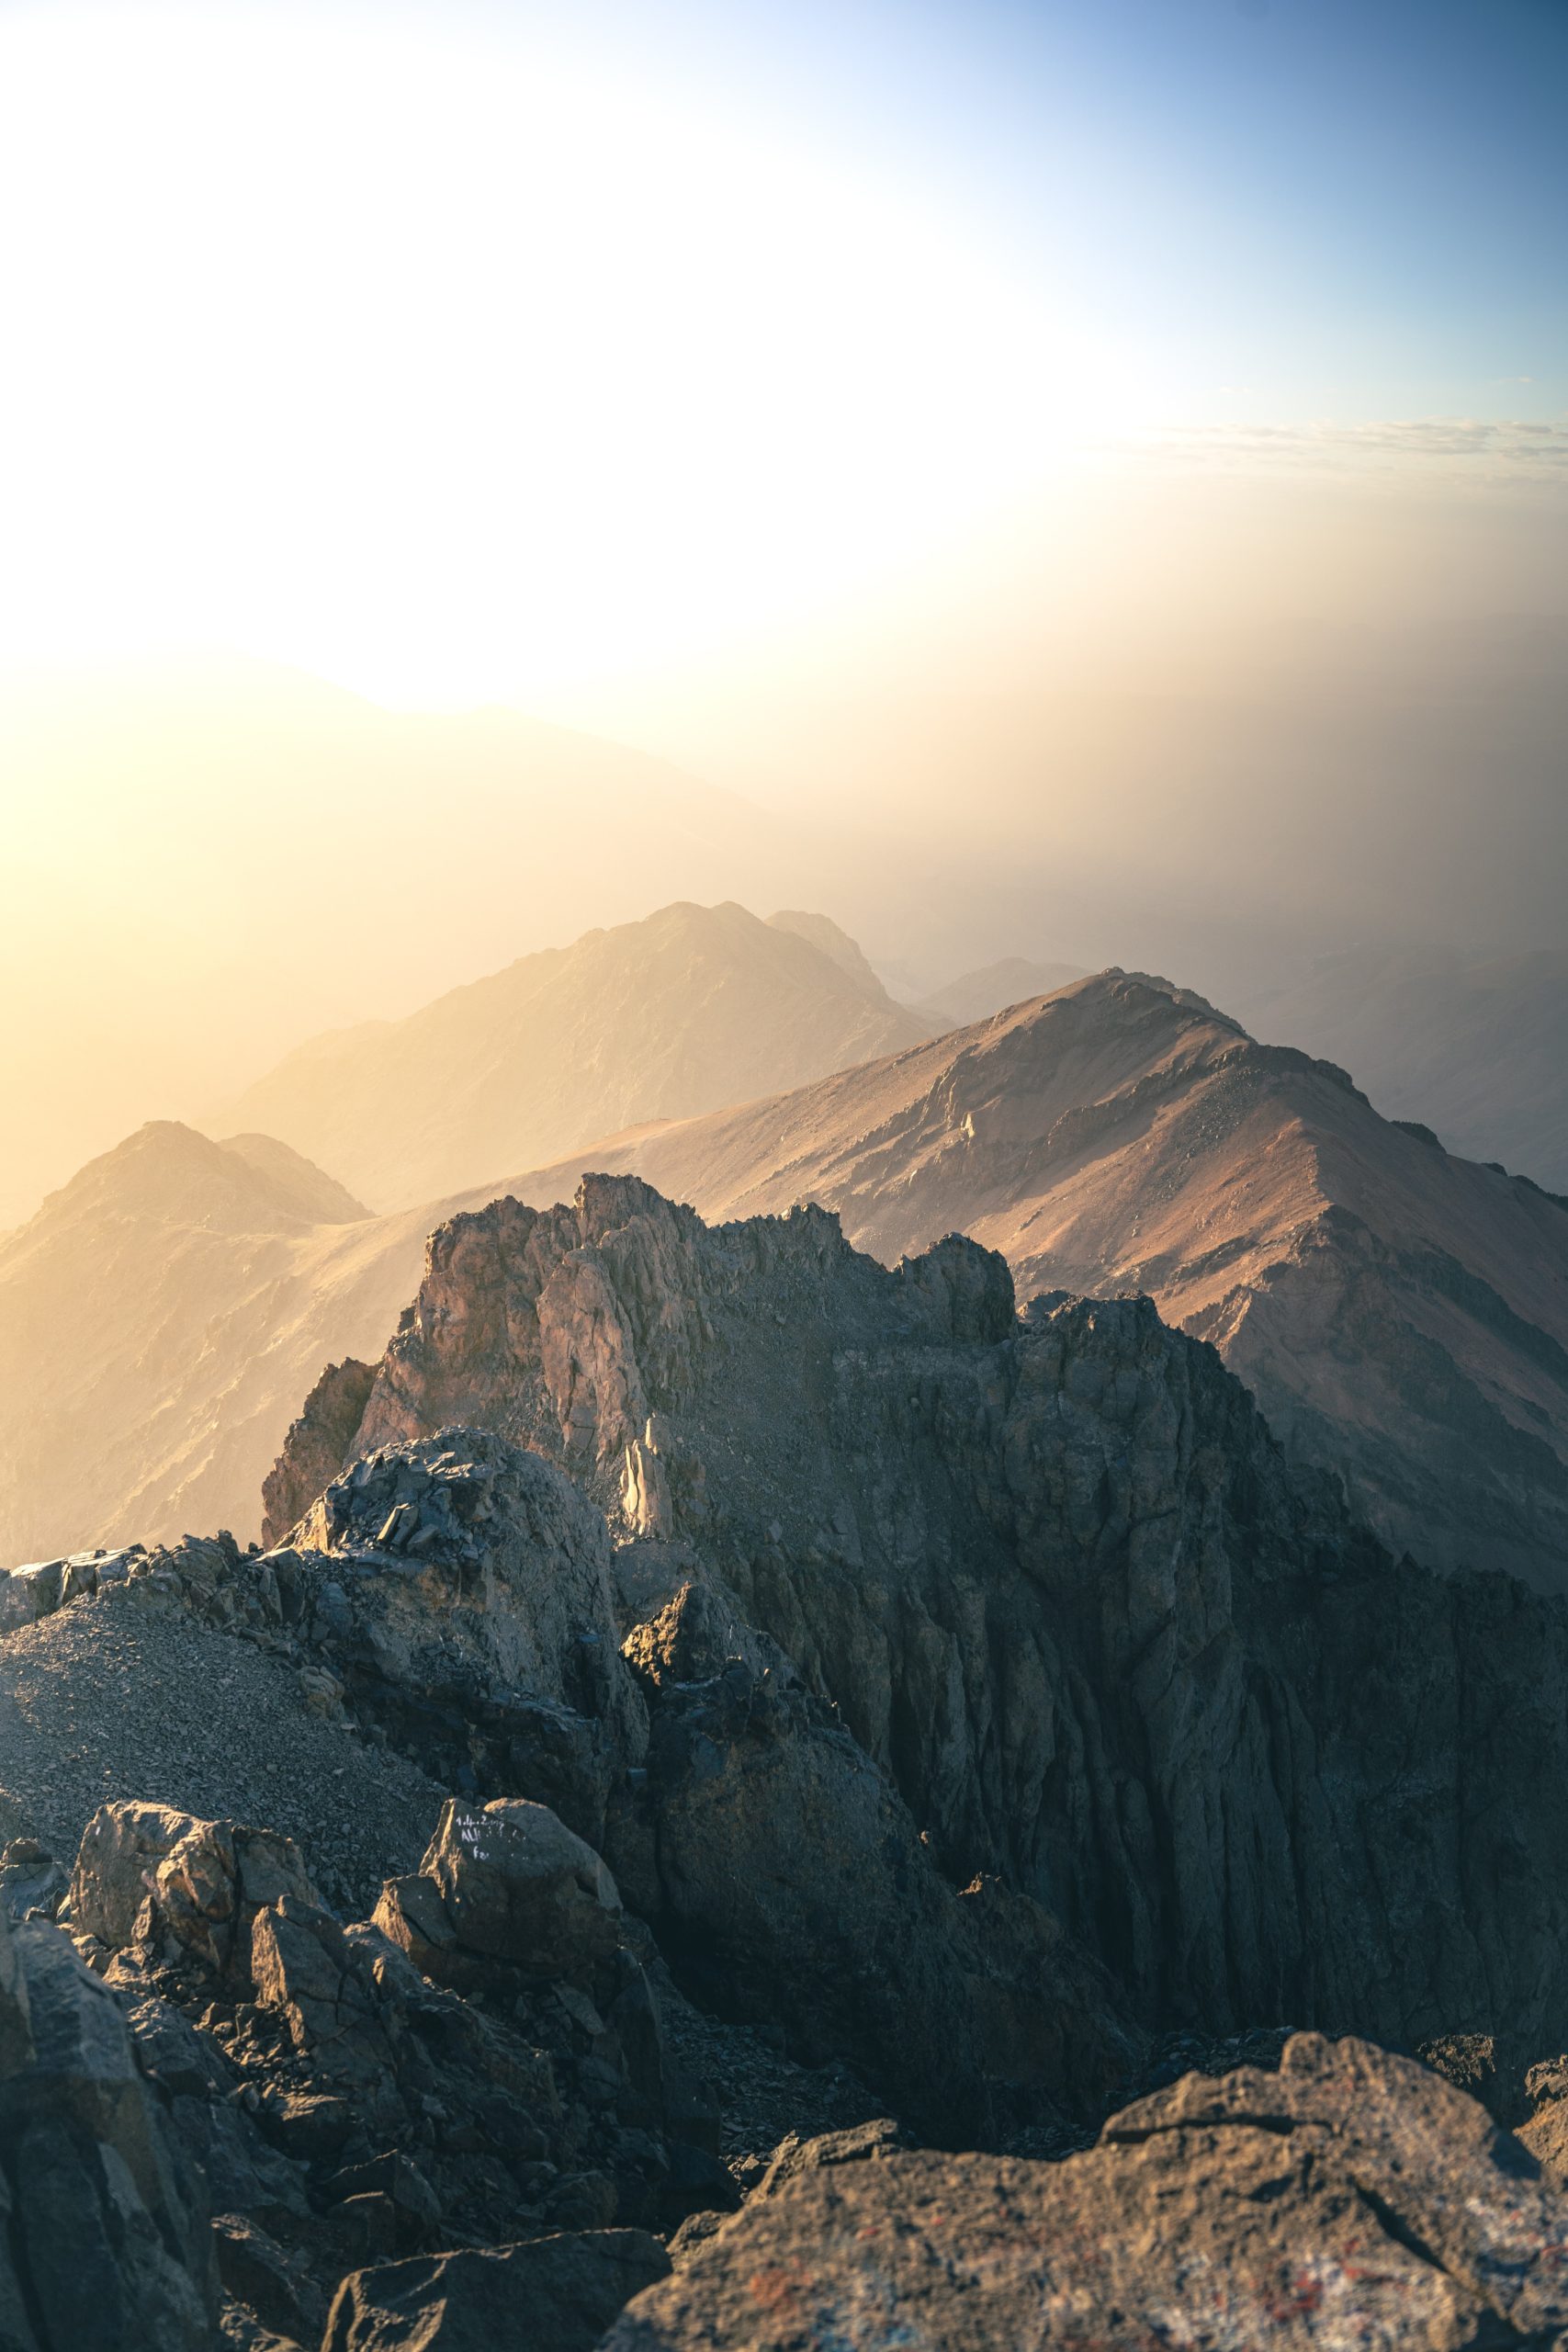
(1472, 1046)
(1401, 1314)
(155, 1315)
(694, 1008)
(974, 996)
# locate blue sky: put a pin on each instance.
(503, 349)
(1358, 207)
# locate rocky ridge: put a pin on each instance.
(1400, 1314)
(467, 2120)
(1061, 1588)
(962, 1737)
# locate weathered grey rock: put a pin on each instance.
(30, 1592)
(317, 1445)
(15, 2022)
(1545, 2130)
(862, 2144)
(697, 1635)
(30, 1880)
(260, 2273)
(1352, 2197)
(121, 1848)
(147, 1875)
(553, 2294)
(1061, 1585)
(517, 1886)
(109, 2225)
(788, 1883)
(454, 1588)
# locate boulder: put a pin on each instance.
(148, 1874)
(553, 2294)
(121, 1847)
(517, 1886)
(270, 2284)
(30, 1880)
(1352, 2197)
(30, 1592)
(696, 1636)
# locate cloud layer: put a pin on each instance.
(1504, 451)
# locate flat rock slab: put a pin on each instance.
(1352, 2199)
(554, 2294)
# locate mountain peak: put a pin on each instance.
(688, 1009)
(833, 942)
(174, 1174)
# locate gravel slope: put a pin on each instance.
(109, 1699)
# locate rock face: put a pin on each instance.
(462, 1592)
(1065, 1593)
(1401, 1314)
(555, 2294)
(1350, 2198)
(107, 2242)
(316, 1445)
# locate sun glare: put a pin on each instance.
(433, 379)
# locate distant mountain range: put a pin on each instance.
(163, 1312)
(155, 1316)
(1401, 1314)
(1475, 1046)
(693, 1009)
(994, 987)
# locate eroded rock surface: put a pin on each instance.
(1350, 2198)
(107, 2242)
(1063, 1589)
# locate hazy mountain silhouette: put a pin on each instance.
(974, 995)
(1475, 1046)
(692, 1009)
(150, 1313)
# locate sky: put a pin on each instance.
(1106, 457)
(564, 358)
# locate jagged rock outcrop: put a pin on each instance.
(786, 1882)
(1064, 1590)
(316, 1446)
(1400, 1314)
(105, 2241)
(1350, 2198)
(347, 2103)
(462, 1591)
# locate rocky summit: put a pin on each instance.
(1401, 1314)
(755, 1798)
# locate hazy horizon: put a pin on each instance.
(1086, 485)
